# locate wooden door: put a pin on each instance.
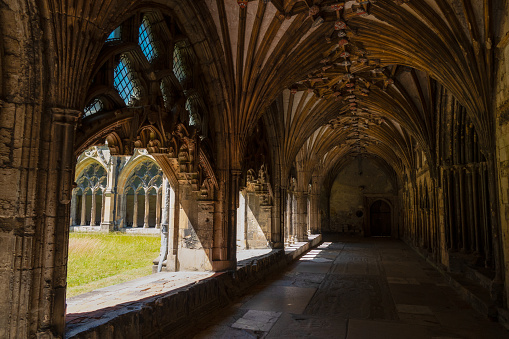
(381, 219)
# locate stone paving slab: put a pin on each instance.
(281, 299)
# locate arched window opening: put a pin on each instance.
(146, 40)
(115, 35)
(88, 196)
(142, 205)
(94, 107)
(124, 81)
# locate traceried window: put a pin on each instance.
(124, 81)
(95, 106)
(115, 35)
(180, 67)
(146, 40)
(141, 193)
(91, 184)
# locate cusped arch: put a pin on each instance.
(91, 175)
(127, 172)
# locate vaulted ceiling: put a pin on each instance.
(339, 77)
(355, 77)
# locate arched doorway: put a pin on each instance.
(380, 218)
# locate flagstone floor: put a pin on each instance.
(356, 288)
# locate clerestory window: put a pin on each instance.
(146, 40)
(124, 81)
(95, 106)
(115, 35)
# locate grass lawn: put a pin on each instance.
(100, 260)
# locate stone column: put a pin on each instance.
(295, 218)
(83, 208)
(158, 208)
(73, 208)
(50, 260)
(109, 197)
(288, 223)
(147, 209)
(135, 212)
(232, 214)
(476, 198)
(301, 224)
(165, 196)
(172, 204)
(102, 208)
(241, 222)
(93, 210)
(123, 208)
(462, 197)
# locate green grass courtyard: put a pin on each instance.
(105, 259)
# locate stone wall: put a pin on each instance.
(502, 114)
(348, 209)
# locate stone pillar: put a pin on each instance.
(52, 231)
(102, 208)
(172, 205)
(74, 208)
(314, 221)
(165, 196)
(300, 220)
(84, 208)
(93, 210)
(158, 208)
(288, 223)
(109, 197)
(135, 212)
(123, 208)
(147, 209)
(295, 219)
(241, 222)
(232, 216)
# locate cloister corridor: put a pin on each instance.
(354, 288)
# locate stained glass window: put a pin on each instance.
(146, 40)
(95, 106)
(124, 81)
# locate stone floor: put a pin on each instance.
(355, 288)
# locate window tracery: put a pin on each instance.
(124, 81)
(93, 178)
(145, 176)
(146, 40)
